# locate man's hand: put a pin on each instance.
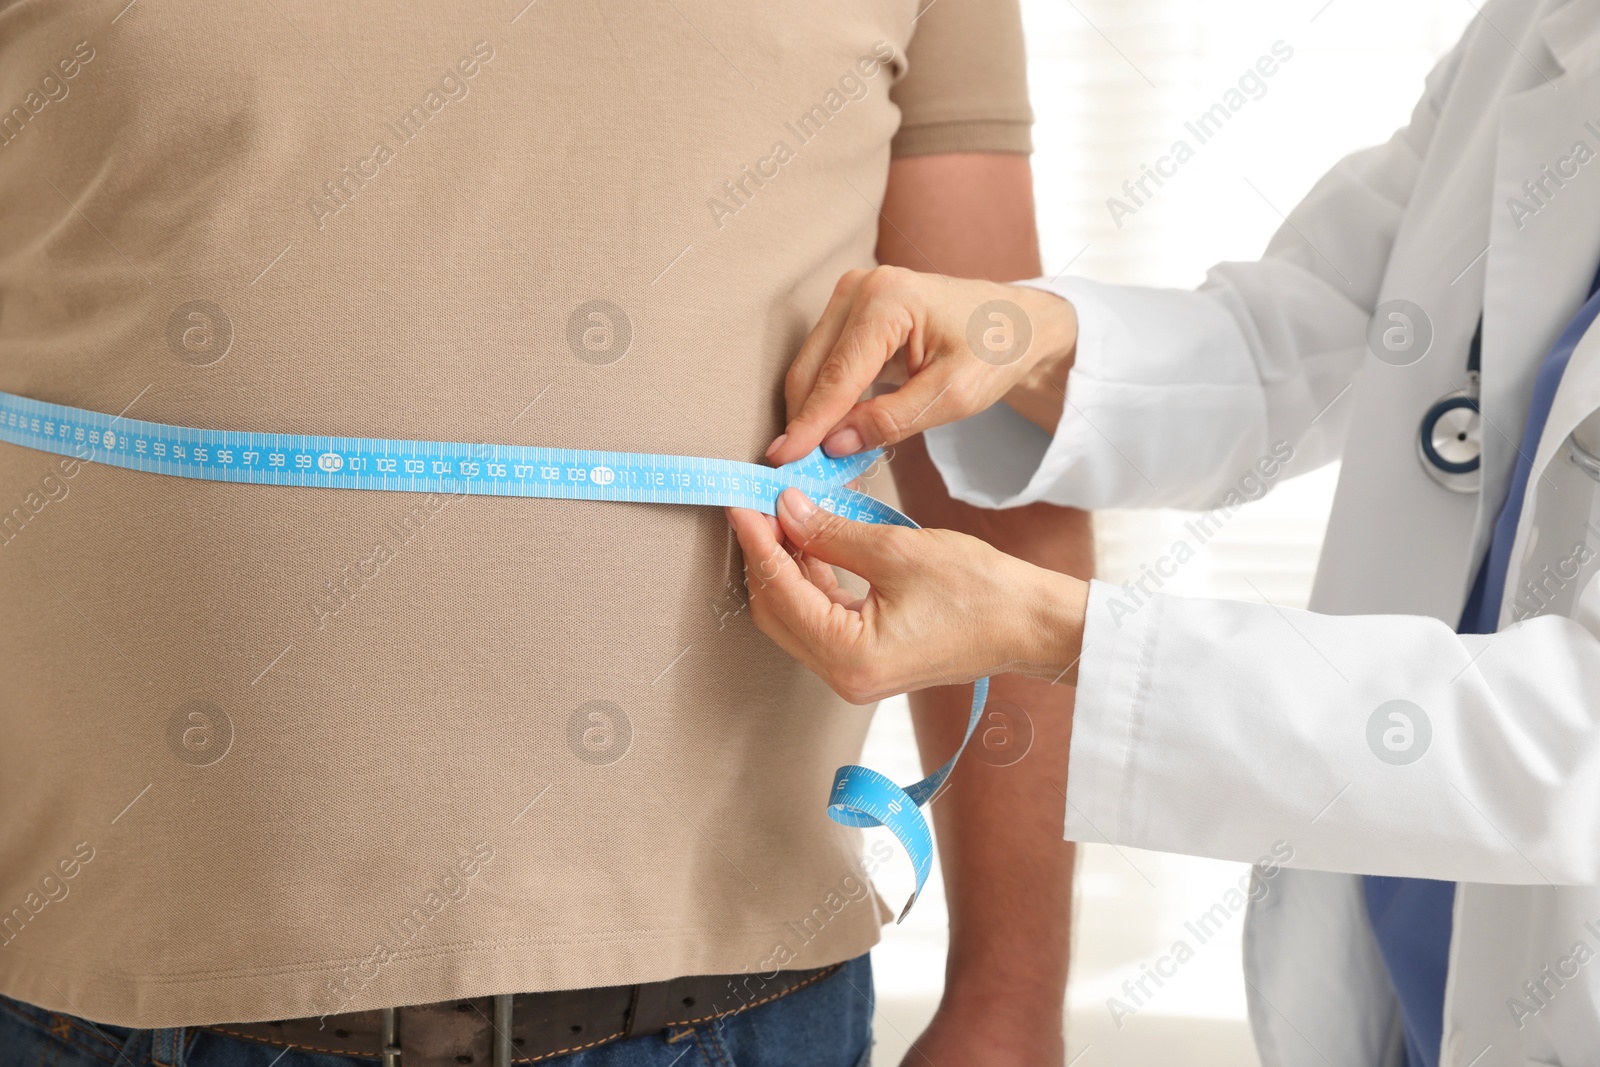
(943, 608)
(965, 344)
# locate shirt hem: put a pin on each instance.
(144, 1001)
(1010, 137)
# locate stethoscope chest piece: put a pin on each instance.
(1450, 437)
(1450, 443)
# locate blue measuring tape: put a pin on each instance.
(860, 797)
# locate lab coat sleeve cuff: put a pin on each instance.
(1111, 682)
(997, 458)
(1162, 400)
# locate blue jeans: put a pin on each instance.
(824, 1025)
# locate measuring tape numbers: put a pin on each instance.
(860, 796)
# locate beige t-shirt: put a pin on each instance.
(273, 752)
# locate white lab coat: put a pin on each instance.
(1219, 728)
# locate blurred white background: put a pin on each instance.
(1113, 83)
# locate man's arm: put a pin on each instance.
(1007, 871)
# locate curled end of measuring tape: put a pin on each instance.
(863, 797)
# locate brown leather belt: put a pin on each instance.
(525, 1027)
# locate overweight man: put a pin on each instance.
(281, 761)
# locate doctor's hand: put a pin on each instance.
(943, 607)
(965, 345)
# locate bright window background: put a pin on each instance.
(1113, 83)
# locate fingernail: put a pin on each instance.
(797, 504)
(845, 442)
(776, 444)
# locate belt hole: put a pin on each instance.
(519, 1041)
(577, 1028)
(463, 1006)
(341, 1033)
(464, 1059)
(688, 1002)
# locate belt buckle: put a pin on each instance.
(500, 1038)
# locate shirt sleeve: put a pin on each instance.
(965, 84)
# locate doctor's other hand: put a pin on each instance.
(965, 345)
(942, 607)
